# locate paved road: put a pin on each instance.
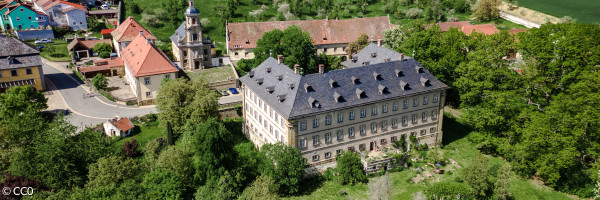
(87, 111)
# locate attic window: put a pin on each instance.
(373, 55)
(313, 103)
(280, 77)
(308, 88)
(333, 83)
(355, 80)
(338, 97)
(360, 93)
(399, 73)
(11, 60)
(291, 86)
(281, 98)
(354, 59)
(251, 74)
(377, 76)
(404, 85)
(324, 38)
(270, 89)
(365, 63)
(259, 81)
(425, 81)
(386, 60)
(247, 41)
(419, 69)
(268, 69)
(382, 89)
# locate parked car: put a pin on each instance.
(223, 92)
(104, 7)
(233, 91)
(43, 41)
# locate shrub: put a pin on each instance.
(350, 168)
(103, 48)
(100, 82)
(447, 190)
(151, 20)
(130, 148)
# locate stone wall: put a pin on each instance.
(519, 20)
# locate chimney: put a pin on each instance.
(379, 42)
(279, 59)
(401, 56)
(142, 33)
(296, 68)
(321, 68)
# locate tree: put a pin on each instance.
(20, 117)
(182, 101)
(502, 185)
(261, 188)
(153, 149)
(350, 168)
(100, 82)
(435, 156)
(176, 9)
(380, 188)
(213, 149)
(178, 161)
(476, 176)
(361, 42)
(287, 168)
(169, 134)
(486, 10)
(130, 148)
(94, 25)
(597, 189)
(224, 187)
(111, 170)
(163, 184)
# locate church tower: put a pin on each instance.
(192, 25)
(191, 49)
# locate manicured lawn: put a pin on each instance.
(55, 51)
(214, 74)
(457, 147)
(582, 10)
(142, 134)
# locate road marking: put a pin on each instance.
(69, 107)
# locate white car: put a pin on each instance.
(104, 7)
(43, 41)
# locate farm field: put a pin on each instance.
(583, 10)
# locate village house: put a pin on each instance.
(191, 49)
(84, 48)
(20, 65)
(108, 67)
(126, 32)
(329, 36)
(63, 13)
(467, 28)
(118, 127)
(360, 108)
(145, 68)
(20, 16)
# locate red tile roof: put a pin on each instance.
(88, 44)
(106, 31)
(486, 29)
(109, 62)
(71, 6)
(93, 68)
(123, 123)
(144, 59)
(245, 35)
(445, 26)
(129, 30)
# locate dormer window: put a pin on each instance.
(259, 81)
(251, 74)
(308, 88)
(338, 97)
(324, 38)
(247, 41)
(354, 59)
(281, 98)
(373, 55)
(365, 63)
(280, 77)
(313, 103)
(268, 70)
(11, 60)
(355, 80)
(425, 81)
(291, 86)
(399, 73)
(419, 69)
(270, 89)
(333, 83)
(360, 93)
(382, 89)
(404, 85)
(377, 76)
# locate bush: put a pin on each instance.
(151, 20)
(447, 190)
(414, 13)
(103, 49)
(100, 82)
(104, 54)
(61, 31)
(350, 168)
(130, 148)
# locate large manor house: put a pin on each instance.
(379, 96)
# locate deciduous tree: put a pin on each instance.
(350, 169)
(486, 10)
(287, 168)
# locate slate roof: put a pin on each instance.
(374, 83)
(129, 30)
(179, 34)
(381, 54)
(144, 59)
(24, 54)
(191, 10)
(326, 31)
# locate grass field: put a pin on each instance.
(143, 133)
(55, 51)
(214, 74)
(457, 147)
(583, 10)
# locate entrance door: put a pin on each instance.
(372, 145)
(196, 64)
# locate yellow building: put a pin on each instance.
(20, 65)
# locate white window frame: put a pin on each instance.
(363, 130)
(327, 137)
(315, 122)
(302, 125)
(351, 117)
(435, 99)
(384, 109)
(363, 113)
(425, 100)
(340, 117)
(340, 135)
(395, 106)
(416, 102)
(374, 111)
(315, 140)
(373, 127)
(328, 120)
(147, 81)
(351, 132)
(405, 106)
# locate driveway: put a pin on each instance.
(86, 111)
